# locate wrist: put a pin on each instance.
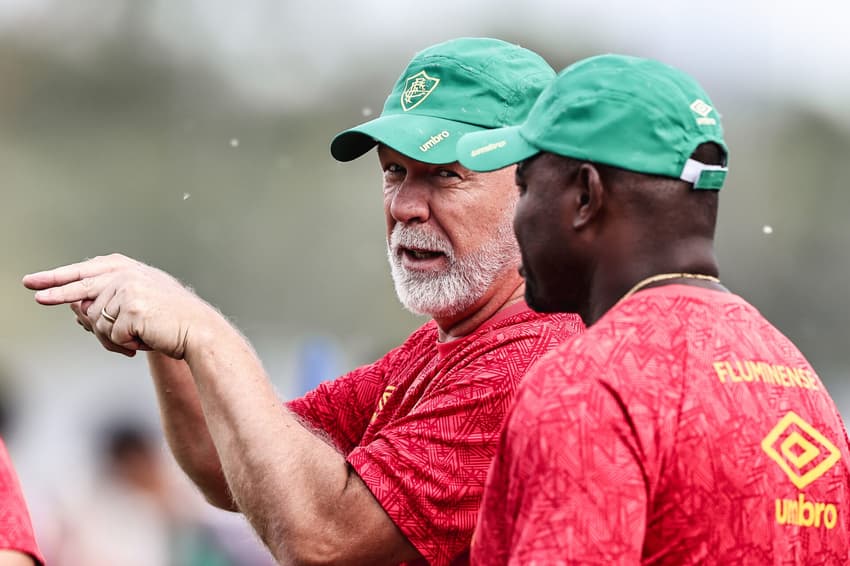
(209, 333)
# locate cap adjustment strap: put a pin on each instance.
(704, 176)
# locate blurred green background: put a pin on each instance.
(193, 135)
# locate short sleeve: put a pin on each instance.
(428, 468)
(341, 409)
(568, 485)
(16, 531)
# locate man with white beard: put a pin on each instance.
(387, 463)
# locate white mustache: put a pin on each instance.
(407, 237)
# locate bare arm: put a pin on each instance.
(14, 558)
(186, 428)
(299, 493)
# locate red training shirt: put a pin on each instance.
(420, 425)
(681, 428)
(15, 525)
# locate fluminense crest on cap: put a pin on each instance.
(416, 89)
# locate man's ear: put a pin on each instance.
(589, 197)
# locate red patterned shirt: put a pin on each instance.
(15, 526)
(420, 425)
(681, 428)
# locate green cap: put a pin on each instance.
(627, 112)
(450, 89)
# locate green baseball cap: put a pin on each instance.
(447, 90)
(627, 112)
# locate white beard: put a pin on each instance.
(462, 283)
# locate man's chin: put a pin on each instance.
(427, 302)
(538, 306)
(538, 303)
(430, 310)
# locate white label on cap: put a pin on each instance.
(703, 109)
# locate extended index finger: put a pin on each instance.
(66, 274)
(87, 288)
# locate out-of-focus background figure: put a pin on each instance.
(141, 126)
(139, 510)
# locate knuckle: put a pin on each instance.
(129, 301)
(133, 287)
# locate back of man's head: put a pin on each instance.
(447, 90)
(669, 207)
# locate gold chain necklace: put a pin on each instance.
(664, 277)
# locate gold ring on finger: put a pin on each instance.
(107, 316)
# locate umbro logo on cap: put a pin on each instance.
(703, 109)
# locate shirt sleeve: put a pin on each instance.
(568, 485)
(16, 531)
(428, 468)
(341, 409)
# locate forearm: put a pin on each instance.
(298, 491)
(186, 429)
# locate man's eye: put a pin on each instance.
(394, 169)
(447, 173)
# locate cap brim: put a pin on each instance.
(494, 149)
(423, 138)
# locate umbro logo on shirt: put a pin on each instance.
(804, 454)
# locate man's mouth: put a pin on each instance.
(420, 254)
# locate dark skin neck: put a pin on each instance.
(617, 272)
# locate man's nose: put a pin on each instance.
(411, 202)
